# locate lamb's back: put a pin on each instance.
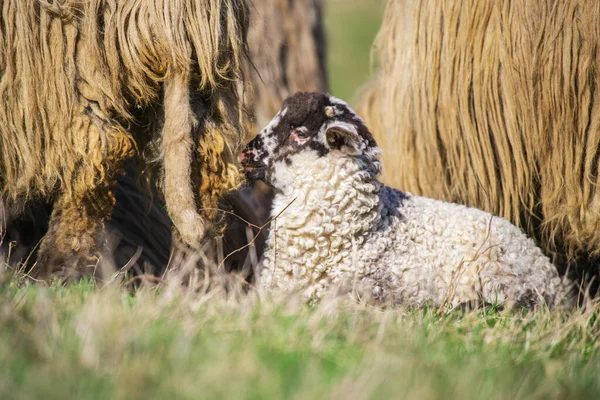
(432, 251)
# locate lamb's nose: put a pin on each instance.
(247, 154)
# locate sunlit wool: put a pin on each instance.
(494, 104)
(78, 82)
(341, 228)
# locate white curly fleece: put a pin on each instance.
(344, 227)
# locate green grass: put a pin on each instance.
(352, 26)
(85, 342)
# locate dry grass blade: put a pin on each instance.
(260, 229)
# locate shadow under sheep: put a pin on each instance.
(139, 238)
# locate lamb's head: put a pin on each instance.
(308, 127)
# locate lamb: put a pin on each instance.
(337, 224)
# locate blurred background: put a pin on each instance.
(351, 27)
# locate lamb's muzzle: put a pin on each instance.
(346, 229)
(254, 169)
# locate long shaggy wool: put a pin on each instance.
(73, 74)
(495, 104)
(288, 54)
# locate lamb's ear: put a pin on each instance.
(344, 137)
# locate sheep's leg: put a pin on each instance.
(71, 247)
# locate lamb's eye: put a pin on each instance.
(301, 135)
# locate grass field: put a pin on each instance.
(82, 341)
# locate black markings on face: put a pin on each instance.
(299, 126)
(255, 147)
(319, 147)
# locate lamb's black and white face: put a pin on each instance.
(313, 124)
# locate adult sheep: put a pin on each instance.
(138, 237)
(337, 224)
(80, 84)
(494, 104)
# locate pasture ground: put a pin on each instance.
(83, 341)
(104, 343)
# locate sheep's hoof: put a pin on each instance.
(53, 264)
(67, 256)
